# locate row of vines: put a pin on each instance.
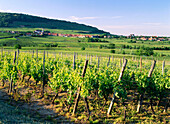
(87, 77)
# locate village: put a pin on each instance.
(48, 33)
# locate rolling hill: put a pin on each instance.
(15, 20)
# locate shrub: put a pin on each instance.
(123, 52)
(111, 46)
(17, 46)
(100, 47)
(112, 51)
(83, 48)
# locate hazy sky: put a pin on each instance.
(123, 17)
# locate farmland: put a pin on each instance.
(119, 74)
(122, 46)
(61, 80)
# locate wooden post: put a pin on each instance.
(10, 86)
(141, 63)
(1, 53)
(142, 95)
(120, 78)
(137, 63)
(32, 53)
(74, 57)
(77, 56)
(43, 72)
(123, 59)
(98, 62)
(17, 55)
(163, 66)
(120, 63)
(108, 62)
(91, 60)
(79, 89)
(37, 53)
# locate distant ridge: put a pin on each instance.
(13, 20)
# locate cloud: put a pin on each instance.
(92, 18)
(119, 26)
(152, 23)
(82, 18)
(9, 11)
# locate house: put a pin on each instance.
(161, 39)
(131, 36)
(143, 38)
(28, 34)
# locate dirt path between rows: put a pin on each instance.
(12, 111)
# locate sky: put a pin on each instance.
(121, 17)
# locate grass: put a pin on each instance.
(71, 45)
(51, 30)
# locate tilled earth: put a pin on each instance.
(15, 114)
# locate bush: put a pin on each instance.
(111, 46)
(100, 47)
(112, 51)
(83, 48)
(123, 52)
(17, 46)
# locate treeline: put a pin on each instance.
(142, 47)
(23, 20)
(97, 40)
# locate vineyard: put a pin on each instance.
(90, 89)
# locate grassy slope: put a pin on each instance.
(70, 45)
(51, 30)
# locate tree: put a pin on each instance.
(17, 46)
(83, 48)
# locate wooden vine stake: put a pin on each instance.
(108, 62)
(78, 93)
(163, 66)
(43, 73)
(142, 95)
(1, 53)
(91, 60)
(112, 58)
(120, 78)
(74, 63)
(120, 63)
(123, 59)
(98, 62)
(10, 86)
(17, 55)
(141, 63)
(37, 53)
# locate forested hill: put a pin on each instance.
(14, 20)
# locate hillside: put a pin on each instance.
(15, 20)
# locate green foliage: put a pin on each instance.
(112, 51)
(123, 52)
(96, 40)
(145, 51)
(17, 46)
(111, 46)
(83, 48)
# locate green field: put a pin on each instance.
(71, 45)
